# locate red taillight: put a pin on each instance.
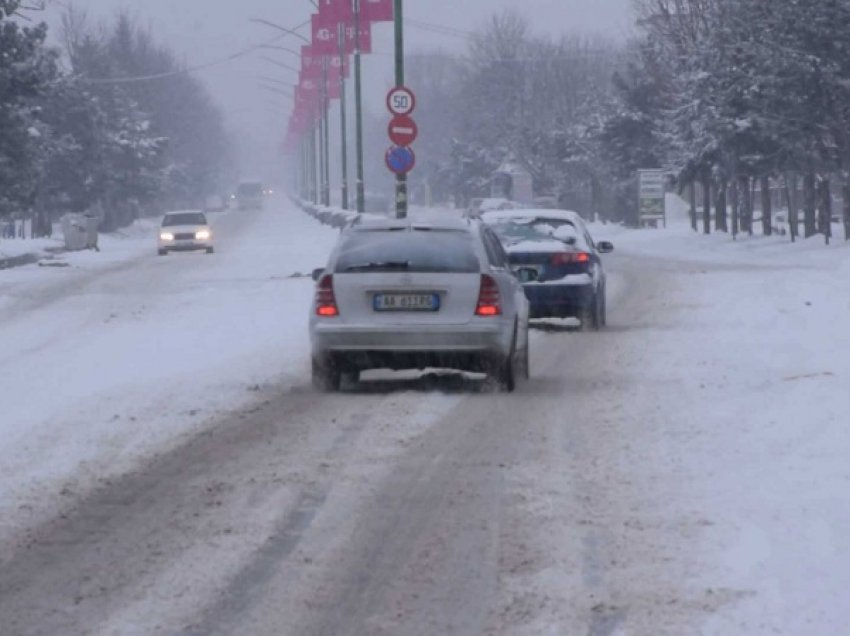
(489, 298)
(325, 299)
(570, 258)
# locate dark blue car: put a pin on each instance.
(558, 262)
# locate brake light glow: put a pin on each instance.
(570, 258)
(489, 298)
(325, 299)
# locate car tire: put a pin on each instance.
(525, 364)
(603, 319)
(326, 376)
(591, 314)
(210, 250)
(505, 369)
(162, 252)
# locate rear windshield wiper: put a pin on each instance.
(386, 265)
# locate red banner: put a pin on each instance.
(365, 38)
(326, 38)
(325, 41)
(334, 12)
(376, 10)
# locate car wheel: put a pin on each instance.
(326, 376)
(603, 312)
(525, 364)
(162, 252)
(505, 371)
(591, 314)
(210, 250)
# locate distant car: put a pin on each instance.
(250, 195)
(185, 232)
(415, 294)
(558, 262)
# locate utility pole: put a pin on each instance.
(326, 150)
(343, 116)
(358, 103)
(401, 179)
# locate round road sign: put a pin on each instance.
(403, 130)
(401, 101)
(400, 160)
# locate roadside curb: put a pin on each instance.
(334, 217)
(20, 261)
(30, 258)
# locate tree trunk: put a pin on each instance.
(693, 198)
(720, 220)
(706, 203)
(846, 210)
(745, 204)
(766, 207)
(809, 205)
(825, 209)
(792, 196)
(736, 206)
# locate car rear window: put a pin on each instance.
(187, 218)
(520, 230)
(408, 250)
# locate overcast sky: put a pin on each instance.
(209, 30)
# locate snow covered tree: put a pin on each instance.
(26, 69)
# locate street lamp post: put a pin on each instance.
(358, 104)
(401, 178)
(343, 115)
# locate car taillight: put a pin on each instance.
(489, 298)
(570, 258)
(325, 299)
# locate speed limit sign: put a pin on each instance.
(401, 101)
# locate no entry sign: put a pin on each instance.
(401, 101)
(400, 160)
(403, 130)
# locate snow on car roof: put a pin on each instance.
(531, 213)
(418, 220)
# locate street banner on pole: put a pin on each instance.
(376, 10)
(334, 12)
(365, 38)
(324, 38)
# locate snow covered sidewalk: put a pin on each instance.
(123, 352)
(751, 437)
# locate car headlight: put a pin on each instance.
(166, 236)
(203, 235)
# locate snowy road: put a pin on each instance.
(599, 499)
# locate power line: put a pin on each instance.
(192, 69)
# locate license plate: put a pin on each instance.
(407, 302)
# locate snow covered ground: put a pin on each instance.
(754, 391)
(122, 352)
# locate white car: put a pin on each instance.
(416, 294)
(185, 232)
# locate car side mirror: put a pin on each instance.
(604, 247)
(318, 273)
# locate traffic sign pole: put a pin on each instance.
(358, 102)
(343, 115)
(401, 178)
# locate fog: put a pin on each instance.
(204, 31)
